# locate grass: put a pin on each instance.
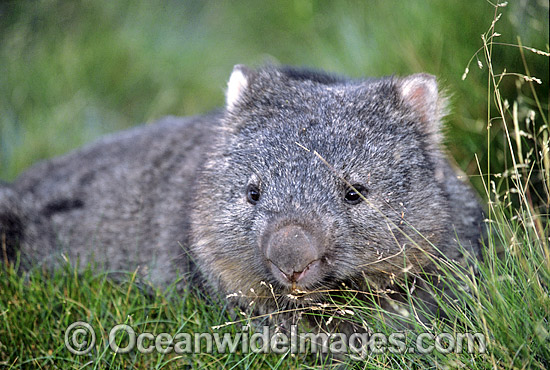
(75, 70)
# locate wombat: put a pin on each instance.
(305, 183)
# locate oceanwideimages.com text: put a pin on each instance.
(80, 338)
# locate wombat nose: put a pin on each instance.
(294, 252)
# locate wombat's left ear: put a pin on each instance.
(237, 85)
(420, 92)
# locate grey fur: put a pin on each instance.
(172, 196)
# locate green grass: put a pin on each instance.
(71, 71)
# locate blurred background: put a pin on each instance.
(73, 70)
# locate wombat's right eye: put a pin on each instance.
(354, 196)
(252, 194)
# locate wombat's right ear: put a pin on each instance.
(237, 85)
(420, 93)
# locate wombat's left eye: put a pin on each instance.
(354, 196)
(252, 194)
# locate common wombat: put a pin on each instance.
(305, 182)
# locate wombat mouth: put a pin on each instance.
(294, 254)
(297, 280)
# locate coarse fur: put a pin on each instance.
(174, 198)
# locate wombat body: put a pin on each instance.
(305, 182)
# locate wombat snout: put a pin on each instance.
(294, 255)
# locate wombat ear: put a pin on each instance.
(238, 83)
(419, 92)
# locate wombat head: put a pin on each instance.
(315, 180)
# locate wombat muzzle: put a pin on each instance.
(294, 256)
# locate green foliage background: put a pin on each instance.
(74, 70)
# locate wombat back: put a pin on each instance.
(121, 202)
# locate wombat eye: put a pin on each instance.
(352, 196)
(252, 194)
